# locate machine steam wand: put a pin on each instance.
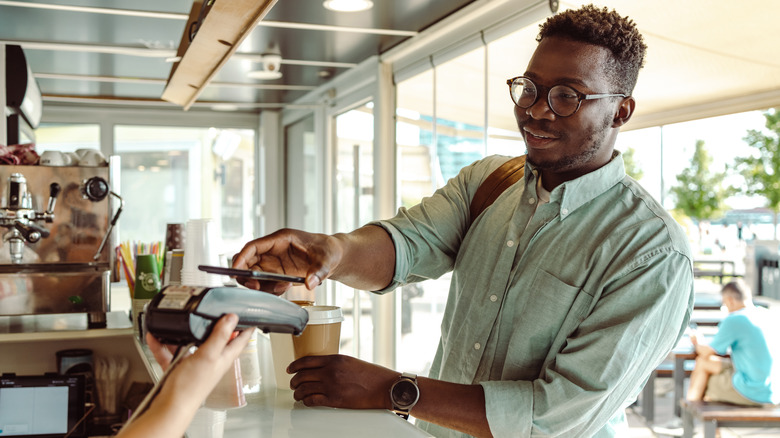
(110, 225)
(21, 219)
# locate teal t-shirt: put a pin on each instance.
(751, 336)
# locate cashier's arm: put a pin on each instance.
(346, 382)
(363, 259)
(189, 383)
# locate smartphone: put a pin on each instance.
(258, 275)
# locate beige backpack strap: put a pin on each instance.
(495, 184)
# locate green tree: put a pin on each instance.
(761, 171)
(700, 193)
(632, 167)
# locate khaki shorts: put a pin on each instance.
(720, 388)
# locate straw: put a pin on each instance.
(128, 263)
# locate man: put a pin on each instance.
(566, 292)
(752, 376)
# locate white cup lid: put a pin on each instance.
(324, 314)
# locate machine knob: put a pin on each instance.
(95, 189)
(54, 190)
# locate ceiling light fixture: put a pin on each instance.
(348, 5)
(224, 107)
(272, 64)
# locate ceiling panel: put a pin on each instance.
(77, 36)
(706, 57)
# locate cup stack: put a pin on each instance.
(201, 247)
(175, 236)
(207, 423)
(249, 361)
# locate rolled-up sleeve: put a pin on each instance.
(427, 237)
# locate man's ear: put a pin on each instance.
(624, 112)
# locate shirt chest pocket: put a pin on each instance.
(543, 315)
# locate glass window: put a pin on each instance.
(354, 185)
(643, 150)
(503, 138)
(460, 113)
(66, 137)
(414, 139)
(422, 304)
(173, 174)
(305, 193)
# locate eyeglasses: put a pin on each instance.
(563, 100)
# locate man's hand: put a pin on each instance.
(341, 382)
(291, 252)
(345, 382)
(363, 259)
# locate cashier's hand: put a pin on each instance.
(189, 383)
(290, 252)
(214, 356)
(341, 382)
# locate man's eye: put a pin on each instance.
(565, 95)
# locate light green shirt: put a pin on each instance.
(559, 310)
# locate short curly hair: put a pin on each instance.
(604, 28)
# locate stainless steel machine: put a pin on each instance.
(57, 247)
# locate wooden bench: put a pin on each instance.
(715, 415)
(715, 269)
(665, 369)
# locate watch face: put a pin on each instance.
(405, 394)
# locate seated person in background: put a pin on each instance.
(752, 376)
(189, 383)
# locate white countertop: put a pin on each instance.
(268, 413)
(274, 414)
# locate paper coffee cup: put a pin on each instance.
(300, 295)
(322, 334)
(282, 355)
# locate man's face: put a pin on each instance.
(584, 141)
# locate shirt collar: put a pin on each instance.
(573, 194)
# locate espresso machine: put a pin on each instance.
(57, 246)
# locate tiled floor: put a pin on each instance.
(664, 415)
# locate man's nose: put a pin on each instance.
(540, 110)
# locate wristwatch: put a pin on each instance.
(404, 394)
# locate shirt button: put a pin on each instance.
(510, 243)
(477, 346)
(493, 298)
(531, 200)
(564, 212)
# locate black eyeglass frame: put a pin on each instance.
(539, 89)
